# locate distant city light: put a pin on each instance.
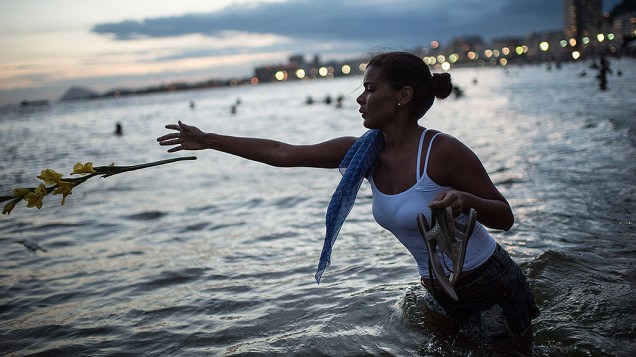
(446, 66)
(572, 42)
(434, 44)
(586, 40)
(576, 54)
(503, 61)
(544, 46)
(300, 73)
(505, 51)
(281, 75)
(453, 58)
(471, 55)
(362, 67)
(233, 83)
(488, 53)
(563, 43)
(346, 69)
(495, 53)
(519, 50)
(610, 36)
(254, 81)
(600, 37)
(441, 59)
(323, 71)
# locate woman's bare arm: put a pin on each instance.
(327, 154)
(455, 165)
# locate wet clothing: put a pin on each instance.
(496, 298)
(492, 290)
(397, 213)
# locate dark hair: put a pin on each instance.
(402, 69)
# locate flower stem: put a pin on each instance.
(114, 170)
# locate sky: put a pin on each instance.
(47, 46)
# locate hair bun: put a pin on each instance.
(441, 85)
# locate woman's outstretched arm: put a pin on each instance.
(327, 154)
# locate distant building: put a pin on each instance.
(297, 68)
(624, 27)
(582, 18)
(463, 45)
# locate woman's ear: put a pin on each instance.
(405, 95)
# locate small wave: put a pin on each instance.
(170, 279)
(290, 201)
(30, 245)
(509, 181)
(125, 254)
(146, 216)
(585, 300)
(194, 227)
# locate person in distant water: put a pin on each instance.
(412, 170)
(602, 73)
(119, 131)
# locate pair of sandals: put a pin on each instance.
(452, 239)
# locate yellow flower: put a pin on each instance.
(50, 177)
(64, 188)
(79, 168)
(34, 199)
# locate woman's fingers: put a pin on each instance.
(168, 136)
(447, 198)
(178, 138)
(169, 142)
(171, 138)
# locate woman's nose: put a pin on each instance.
(360, 99)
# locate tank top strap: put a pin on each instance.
(428, 152)
(419, 155)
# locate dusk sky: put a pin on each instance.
(48, 46)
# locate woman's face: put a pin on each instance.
(379, 101)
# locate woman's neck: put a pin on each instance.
(402, 136)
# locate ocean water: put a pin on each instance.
(216, 256)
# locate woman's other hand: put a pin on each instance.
(452, 198)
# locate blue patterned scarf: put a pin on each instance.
(358, 163)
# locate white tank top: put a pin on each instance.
(397, 213)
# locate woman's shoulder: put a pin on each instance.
(445, 140)
(438, 140)
(447, 148)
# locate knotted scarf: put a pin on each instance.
(358, 163)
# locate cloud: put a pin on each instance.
(400, 23)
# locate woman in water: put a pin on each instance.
(411, 170)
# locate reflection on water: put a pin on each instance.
(217, 255)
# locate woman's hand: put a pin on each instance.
(187, 137)
(452, 198)
(493, 213)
